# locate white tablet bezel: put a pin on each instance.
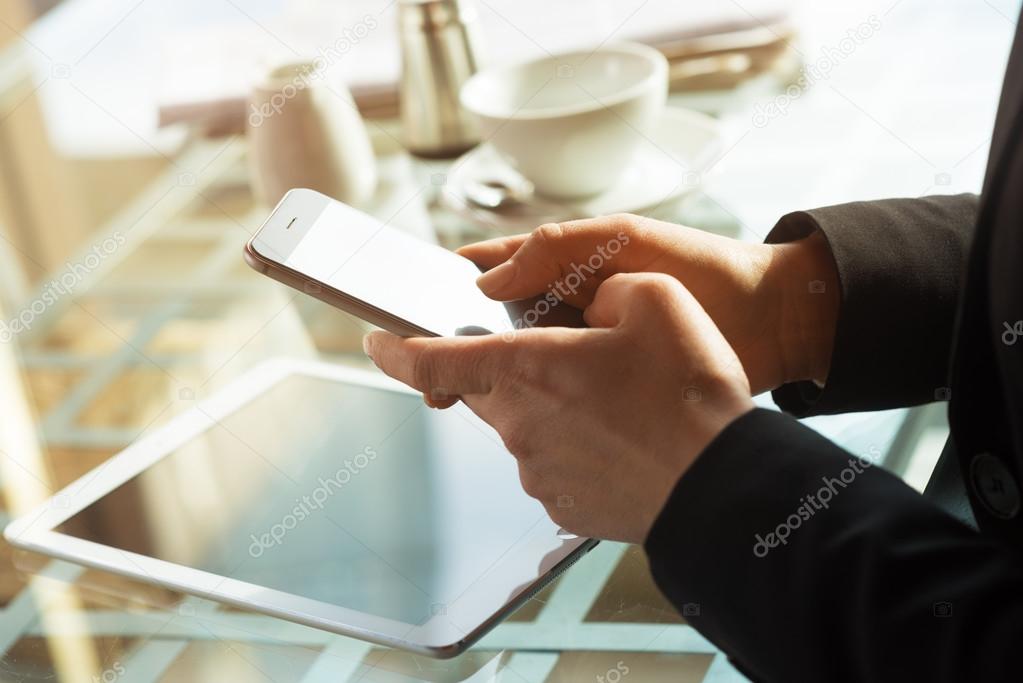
(445, 634)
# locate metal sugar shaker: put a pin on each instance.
(439, 40)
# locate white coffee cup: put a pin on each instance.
(570, 123)
(305, 131)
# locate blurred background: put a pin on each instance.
(128, 187)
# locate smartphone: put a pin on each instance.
(384, 276)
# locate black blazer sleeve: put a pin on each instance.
(807, 565)
(901, 264)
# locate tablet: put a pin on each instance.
(323, 495)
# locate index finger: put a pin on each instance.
(571, 257)
(490, 253)
(440, 367)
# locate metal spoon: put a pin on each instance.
(497, 195)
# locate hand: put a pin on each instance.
(603, 421)
(759, 295)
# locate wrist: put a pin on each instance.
(804, 277)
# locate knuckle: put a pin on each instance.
(531, 482)
(625, 221)
(423, 371)
(646, 288)
(655, 288)
(488, 355)
(619, 282)
(517, 442)
(635, 228)
(546, 244)
(548, 234)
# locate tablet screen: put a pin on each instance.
(351, 495)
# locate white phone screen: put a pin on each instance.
(356, 254)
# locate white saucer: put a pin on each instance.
(667, 165)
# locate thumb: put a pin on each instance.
(439, 367)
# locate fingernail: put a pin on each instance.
(497, 279)
(367, 346)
